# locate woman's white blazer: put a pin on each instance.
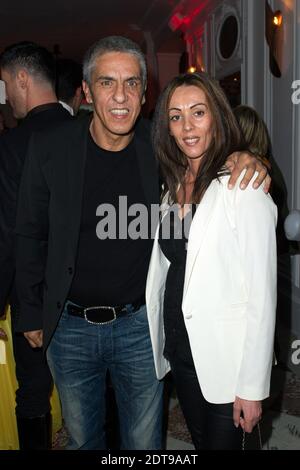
(229, 297)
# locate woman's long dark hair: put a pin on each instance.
(227, 137)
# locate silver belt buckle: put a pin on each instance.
(100, 307)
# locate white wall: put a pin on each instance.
(282, 130)
(168, 67)
(270, 96)
(254, 84)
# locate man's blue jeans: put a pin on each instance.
(79, 356)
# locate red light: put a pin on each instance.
(184, 17)
(175, 21)
(186, 20)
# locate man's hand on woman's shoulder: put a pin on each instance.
(239, 161)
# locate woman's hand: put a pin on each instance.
(35, 338)
(239, 161)
(246, 413)
(2, 334)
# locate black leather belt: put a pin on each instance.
(103, 314)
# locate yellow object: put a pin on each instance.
(277, 19)
(8, 386)
(2, 353)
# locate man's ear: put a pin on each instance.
(22, 78)
(144, 95)
(87, 92)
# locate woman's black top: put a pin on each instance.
(173, 239)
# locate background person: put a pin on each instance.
(256, 136)
(28, 71)
(2, 123)
(69, 84)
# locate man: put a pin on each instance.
(28, 71)
(2, 123)
(68, 84)
(82, 297)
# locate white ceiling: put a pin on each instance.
(75, 24)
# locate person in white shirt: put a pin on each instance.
(211, 286)
(68, 85)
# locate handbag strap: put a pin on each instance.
(259, 438)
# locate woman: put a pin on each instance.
(211, 293)
(254, 132)
(2, 122)
(8, 385)
(257, 139)
(2, 334)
